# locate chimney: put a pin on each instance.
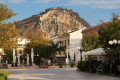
(118, 17)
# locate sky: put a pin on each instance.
(90, 10)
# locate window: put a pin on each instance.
(68, 42)
(65, 43)
(62, 43)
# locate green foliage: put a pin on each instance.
(8, 55)
(83, 66)
(40, 49)
(39, 43)
(3, 77)
(109, 31)
(4, 74)
(90, 41)
(79, 65)
(5, 13)
(54, 48)
(106, 68)
(8, 31)
(8, 36)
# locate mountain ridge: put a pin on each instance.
(54, 21)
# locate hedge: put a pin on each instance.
(3, 75)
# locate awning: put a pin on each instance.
(94, 52)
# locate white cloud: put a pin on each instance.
(16, 1)
(105, 4)
(2, 1)
(43, 1)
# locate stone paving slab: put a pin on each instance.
(55, 74)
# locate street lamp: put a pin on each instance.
(80, 49)
(115, 42)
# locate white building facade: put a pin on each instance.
(21, 44)
(75, 41)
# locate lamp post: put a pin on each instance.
(67, 59)
(114, 44)
(80, 50)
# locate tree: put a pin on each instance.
(5, 13)
(90, 41)
(38, 38)
(8, 31)
(8, 36)
(39, 42)
(110, 31)
(54, 48)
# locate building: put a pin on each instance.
(21, 44)
(75, 41)
(55, 39)
(70, 41)
(64, 42)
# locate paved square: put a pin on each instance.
(55, 74)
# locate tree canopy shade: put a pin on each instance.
(8, 31)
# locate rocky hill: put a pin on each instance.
(54, 21)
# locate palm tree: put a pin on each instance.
(54, 48)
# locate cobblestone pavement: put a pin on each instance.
(55, 74)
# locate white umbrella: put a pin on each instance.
(94, 52)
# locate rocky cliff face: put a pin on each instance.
(54, 21)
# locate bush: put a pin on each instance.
(79, 65)
(106, 68)
(3, 77)
(83, 66)
(4, 73)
